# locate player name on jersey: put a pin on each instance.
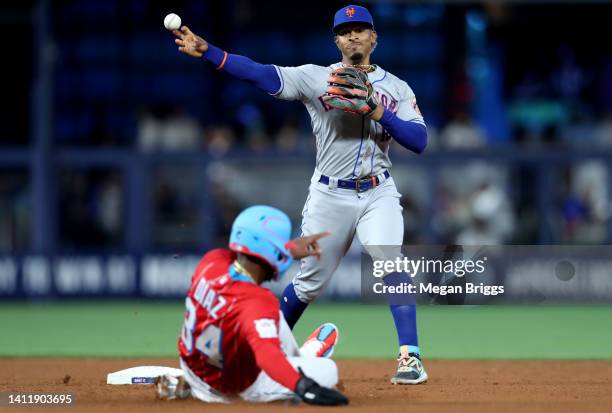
(208, 298)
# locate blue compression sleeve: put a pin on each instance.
(411, 135)
(404, 317)
(263, 76)
(291, 306)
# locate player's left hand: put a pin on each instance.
(350, 90)
(312, 393)
(306, 246)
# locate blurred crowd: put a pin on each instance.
(166, 129)
(472, 202)
(169, 129)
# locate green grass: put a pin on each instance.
(131, 329)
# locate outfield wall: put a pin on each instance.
(531, 279)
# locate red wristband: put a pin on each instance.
(222, 61)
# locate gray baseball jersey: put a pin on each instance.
(348, 146)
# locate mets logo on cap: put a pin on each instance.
(353, 14)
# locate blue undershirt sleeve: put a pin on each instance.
(410, 134)
(263, 76)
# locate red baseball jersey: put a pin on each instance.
(230, 331)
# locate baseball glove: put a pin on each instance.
(350, 90)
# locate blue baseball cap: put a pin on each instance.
(352, 14)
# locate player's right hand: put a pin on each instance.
(306, 246)
(310, 392)
(190, 43)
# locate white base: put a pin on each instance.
(141, 374)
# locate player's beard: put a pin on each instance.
(356, 58)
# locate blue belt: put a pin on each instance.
(360, 185)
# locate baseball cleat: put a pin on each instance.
(168, 387)
(410, 370)
(322, 341)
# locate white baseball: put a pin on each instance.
(172, 21)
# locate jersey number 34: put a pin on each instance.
(208, 342)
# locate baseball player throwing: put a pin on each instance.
(356, 108)
(235, 341)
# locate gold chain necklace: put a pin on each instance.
(363, 68)
(243, 270)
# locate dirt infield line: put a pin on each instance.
(458, 386)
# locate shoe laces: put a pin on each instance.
(409, 356)
(413, 361)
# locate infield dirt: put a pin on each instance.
(457, 386)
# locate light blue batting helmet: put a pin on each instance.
(261, 231)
